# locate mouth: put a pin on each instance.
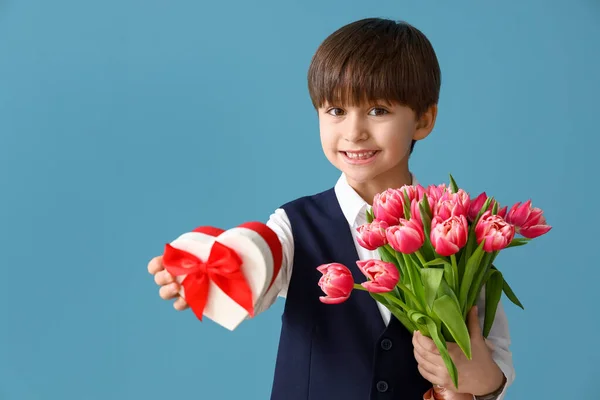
(359, 157)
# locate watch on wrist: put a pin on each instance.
(495, 394)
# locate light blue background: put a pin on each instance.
(125, 123)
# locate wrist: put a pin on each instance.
(495, 391)
(494, 380)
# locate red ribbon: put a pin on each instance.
(223, 267)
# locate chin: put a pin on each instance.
(359, 176)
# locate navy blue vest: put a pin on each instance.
(337, 351)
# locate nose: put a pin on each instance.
(355, 129)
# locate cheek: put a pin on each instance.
(398, 140)
(328, 140)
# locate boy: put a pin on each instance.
(375, 85)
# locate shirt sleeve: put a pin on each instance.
(499, 339)
(280, 224)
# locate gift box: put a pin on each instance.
(224, 274)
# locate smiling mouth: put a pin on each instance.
(359, 155)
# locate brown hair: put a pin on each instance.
(375, 59)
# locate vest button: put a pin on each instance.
(386, 344)
(382, 386)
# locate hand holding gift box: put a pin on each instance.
(224, 274)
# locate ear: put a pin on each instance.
(426, 123)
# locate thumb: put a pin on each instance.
(473, 323)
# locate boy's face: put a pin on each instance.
(371, 143)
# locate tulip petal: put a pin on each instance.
(332, 300)
(532, 232)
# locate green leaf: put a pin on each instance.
(518, 242)
(427, 247)
(415, 317)
(449, 275)
(453, 184)
(511, 295)
(415, 280)
(399, 261)
(386, 256)
(425, 202)
(408, 324)
(406, 204)
(478, 280)
(493, 292)
(432, 277)
(440, 343)
(396, 311)
(509, 292)
(437, 261)
(416, 262)
(445, 289)
(370, 216)
(473, 265)
(466, 252)
(452, 317)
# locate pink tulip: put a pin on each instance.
(528, 221)
(478, 203)
(382, 276)
(337, 283)
(372, 236)
(495, 230)
(502, 211)
(414, 192)
(434, 193)
(406, 237)
(450, 235)
(476, 206)
(388, 206)
(451, 204)
(463, 198)
(415, 212)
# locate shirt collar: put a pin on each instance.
(353, 206)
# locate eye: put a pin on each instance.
(378, 111)
(336, 112)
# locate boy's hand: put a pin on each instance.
(478, 376)
(169, 288)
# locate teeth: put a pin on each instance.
(359, 156)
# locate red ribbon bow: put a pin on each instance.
(223, 268)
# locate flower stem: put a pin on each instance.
(396, 301)
(409, 294)
(359, 286)
(454, 272)
(421, 258)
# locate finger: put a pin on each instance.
(180, 304)
(429, 376)
(155, 265)
(432, 358)
(455, 352)
(169, 291)
(473, 323)
(163, 278)
(426, 364)
(426, 343)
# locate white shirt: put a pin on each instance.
(354, 209)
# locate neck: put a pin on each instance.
(391, 180)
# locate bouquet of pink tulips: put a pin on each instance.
(437, 248)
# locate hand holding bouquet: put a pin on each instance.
(437, 246)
